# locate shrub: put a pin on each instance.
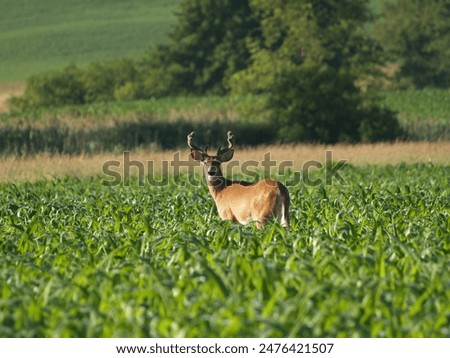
(379, 125)
(99, 82)
(102, 80)
(52, 89)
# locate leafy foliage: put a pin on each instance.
(115, 80)
(416, 34)
(368, 259)
(309, 68)
(51, 90)
(207, 45)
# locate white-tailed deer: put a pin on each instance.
(241, 201)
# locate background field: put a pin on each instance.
(37, 36)
(367, 259)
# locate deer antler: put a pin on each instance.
(190, 142)
(230, 140)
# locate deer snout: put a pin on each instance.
(212, 171)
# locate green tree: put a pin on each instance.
(111, 80)
(416, 36)
(310, 64)
(206, 47)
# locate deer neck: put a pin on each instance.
(216, 184)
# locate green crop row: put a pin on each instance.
(423, 105)
(423, 114)
(365, 259)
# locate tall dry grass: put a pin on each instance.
(46, 166)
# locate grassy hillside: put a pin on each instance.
(36, 36)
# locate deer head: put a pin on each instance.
(212, 163)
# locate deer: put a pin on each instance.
(241, 201)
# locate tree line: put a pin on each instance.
(316, 69)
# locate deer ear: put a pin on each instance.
(197, 154)
(225, 157)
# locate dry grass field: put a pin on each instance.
(46, 166)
